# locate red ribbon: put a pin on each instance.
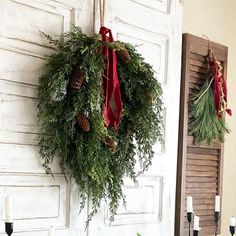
(220, 90)
(111, 87)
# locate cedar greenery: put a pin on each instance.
(97, 169)
(204, 123)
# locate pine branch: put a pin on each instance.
(204, 123)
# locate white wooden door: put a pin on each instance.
(154, 26)
(38, 200)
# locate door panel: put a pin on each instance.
(137, 210)
(39, 201)
(154, 27)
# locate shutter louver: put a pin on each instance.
(199, 165)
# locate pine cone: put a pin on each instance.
(77, 79)
(110, 143)
(124, 55)
(148, 95)
(83, 122)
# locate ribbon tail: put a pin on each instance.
(220, 91)
(229, 111)
(111, 87)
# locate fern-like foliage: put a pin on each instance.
(98, 172)
(204, 123)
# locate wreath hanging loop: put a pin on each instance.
(102, 11)
(74, 128)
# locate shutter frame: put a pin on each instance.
(193, 68)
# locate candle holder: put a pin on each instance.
(189, 218)
(196, 233)
(232, 230)
(9, 228)
(217, 218)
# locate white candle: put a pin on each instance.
(232, 221)
(196, 223)
(8, 208)
(51, 231)
(217, 203)
(189, 204)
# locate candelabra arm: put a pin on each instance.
(189, 218)
(217, 218)
(9, 228)
(196, 233)
(232, 230)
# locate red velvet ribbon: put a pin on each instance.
(111, 87)
(220, 91)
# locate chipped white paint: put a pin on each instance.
(138, 210)
(154, 27)
(39, 200)
(159, 5)
(152, 46)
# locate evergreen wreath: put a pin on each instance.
(72, 124)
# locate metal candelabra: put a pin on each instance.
(232, 230)
(217, 218)
(9, 228)
(189, 218)
(196, 233)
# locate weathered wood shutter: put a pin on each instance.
(199, 165)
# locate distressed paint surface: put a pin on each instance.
(154, 27)
(40, 201)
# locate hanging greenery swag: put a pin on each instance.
(208, 106)
(72, 126)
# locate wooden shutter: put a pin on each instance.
(199, 171)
